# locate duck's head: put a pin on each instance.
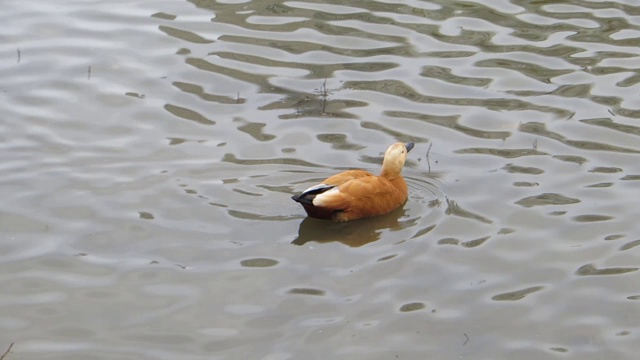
(394, 159)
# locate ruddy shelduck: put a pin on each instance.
(357, 194)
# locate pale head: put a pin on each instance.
(394, 159)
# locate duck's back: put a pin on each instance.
(372, 196)
(343, 177)
(357, 194)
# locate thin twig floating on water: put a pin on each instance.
(324, 94)
(6, 352)
(466, 339)
(299, 103)
(429, 162)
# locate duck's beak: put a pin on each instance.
(409, 146)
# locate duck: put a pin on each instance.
(357, 194)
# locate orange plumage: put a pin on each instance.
(356, 194)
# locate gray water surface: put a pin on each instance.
(149, 150)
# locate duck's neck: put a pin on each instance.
(390, 174)
(391, 169)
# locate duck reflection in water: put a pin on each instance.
(351, 233)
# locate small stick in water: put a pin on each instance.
(428, 161)
(6, 352)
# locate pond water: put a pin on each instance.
(149, 150)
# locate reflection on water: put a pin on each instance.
(149, 152)
(354, 233)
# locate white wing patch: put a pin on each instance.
(316, 188)
(326, 197)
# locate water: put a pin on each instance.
(149, 151)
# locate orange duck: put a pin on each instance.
(356, 194)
